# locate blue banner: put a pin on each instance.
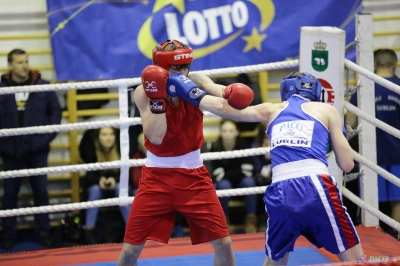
(114, 39)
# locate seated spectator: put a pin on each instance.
(262, 172)
(100, 145)
(140, 153)
(234, 173)
(262, 163)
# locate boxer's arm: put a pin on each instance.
(206, 84)
(344, 154)
(238, 95)
(220, 107)
(235, 94)
(154, 125)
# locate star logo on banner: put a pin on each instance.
(254, 40)
(178, 4)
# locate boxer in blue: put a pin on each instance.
(303, 198)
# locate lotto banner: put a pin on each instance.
(114, 39)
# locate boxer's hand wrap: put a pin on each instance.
(186, 89)
(239, 96)
(154, 84)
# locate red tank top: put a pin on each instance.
(184, 131)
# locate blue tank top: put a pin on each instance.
(387, 109)
(296, 135)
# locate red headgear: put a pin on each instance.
(179, 56)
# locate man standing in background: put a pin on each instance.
(26, 109)
(387, 110)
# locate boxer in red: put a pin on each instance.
(174, 178)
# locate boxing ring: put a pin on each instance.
(249, 248)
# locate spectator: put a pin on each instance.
(234, 173)
(100, 145)
(26, 109)
(262, 172)
(387, 109)
(140, 153)
(245, 79)
(262, 163)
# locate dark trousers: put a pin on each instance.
(39, 188)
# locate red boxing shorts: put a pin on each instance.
(165, 191)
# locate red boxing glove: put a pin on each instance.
(239, 96)
(154, 80)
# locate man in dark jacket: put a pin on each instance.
(26, 109)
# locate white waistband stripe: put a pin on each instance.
(190, 160)
(297, 169)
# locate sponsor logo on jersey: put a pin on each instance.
(297, 133)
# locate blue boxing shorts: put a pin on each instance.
(310, 206)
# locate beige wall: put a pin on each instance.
(25, 17)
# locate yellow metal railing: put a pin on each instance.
(24, 37)
(384, 18)
(386, 33)
(73, 143)
(30, 52)
(37, 68)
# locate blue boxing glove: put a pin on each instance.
(182, 86)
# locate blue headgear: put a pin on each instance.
(305, 85)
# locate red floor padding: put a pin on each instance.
(374, 243)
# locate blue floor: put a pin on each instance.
(300, 256)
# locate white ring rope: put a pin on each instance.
(114, 202)
(388, 176)
(136, 81)
(387, 128)
(374, 121)
(116, 164)
(372, 76)
(71, 86)
(67, 127)
(76, 126)
(384, 218)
